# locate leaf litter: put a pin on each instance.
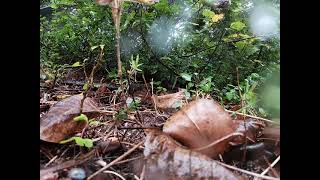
(181, 141)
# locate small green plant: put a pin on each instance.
(131, 106)
(245, 94)
(81, 117)
(134, 67)
(79, 141)
(198, 86)
(158, 87)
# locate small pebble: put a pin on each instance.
(77, 174)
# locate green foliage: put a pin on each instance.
(210, 47)
(238, 26)
(186, 76)
(94, 122)
(79, 141)
(135, 63)
(81, 117)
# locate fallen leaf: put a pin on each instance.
(169, 101)
(201, 123)
(250, 128)
(59, 124)
(166, 159)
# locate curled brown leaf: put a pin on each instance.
(58, 124)
(201, 123)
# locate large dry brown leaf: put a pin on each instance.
(58, 123)
(169, 101)
(201, 123)
(165, 159)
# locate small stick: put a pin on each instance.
(116, 160)
(143, 172)
(218, 141)
(54, 158)
(128, 160)
(271, 166)
(115, 173)
(141, 147)
(247, 172)
(145, 83)
(138, 128)
(255, 117)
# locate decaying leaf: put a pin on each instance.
(169, 101)
(250, 128)
(58, 124)
(166, 159)
(201, 123)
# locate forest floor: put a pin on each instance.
(115, 141)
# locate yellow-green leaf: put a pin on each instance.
(76, 64)
(237, 25)
(217, 17)
(82, 117)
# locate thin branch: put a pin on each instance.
(248, 172)
(270, 167)
(254, 117)
(114, 173)
(116, 160)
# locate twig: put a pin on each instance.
(143, 172)
(54, 158)
(138, 128)
(145, 83)
(141, 147)
(68, 164)
(270, 167)
(247, 172)
(254, 117)
(116, 160)
(128, 160)
(115, 173)
(218, 141)
(244, 119)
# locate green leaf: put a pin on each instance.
(67, 140)
(84, 142)
(85, 87)
(76, 64)
(79, 141)
(240, 45)
(186, 76)
(208, 13)
(94, 122)
(190, 85)
(121, 115)
(82, 117)
(187, 94)
(237, 25)
(54, 6)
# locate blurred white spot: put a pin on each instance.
(264, 22)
